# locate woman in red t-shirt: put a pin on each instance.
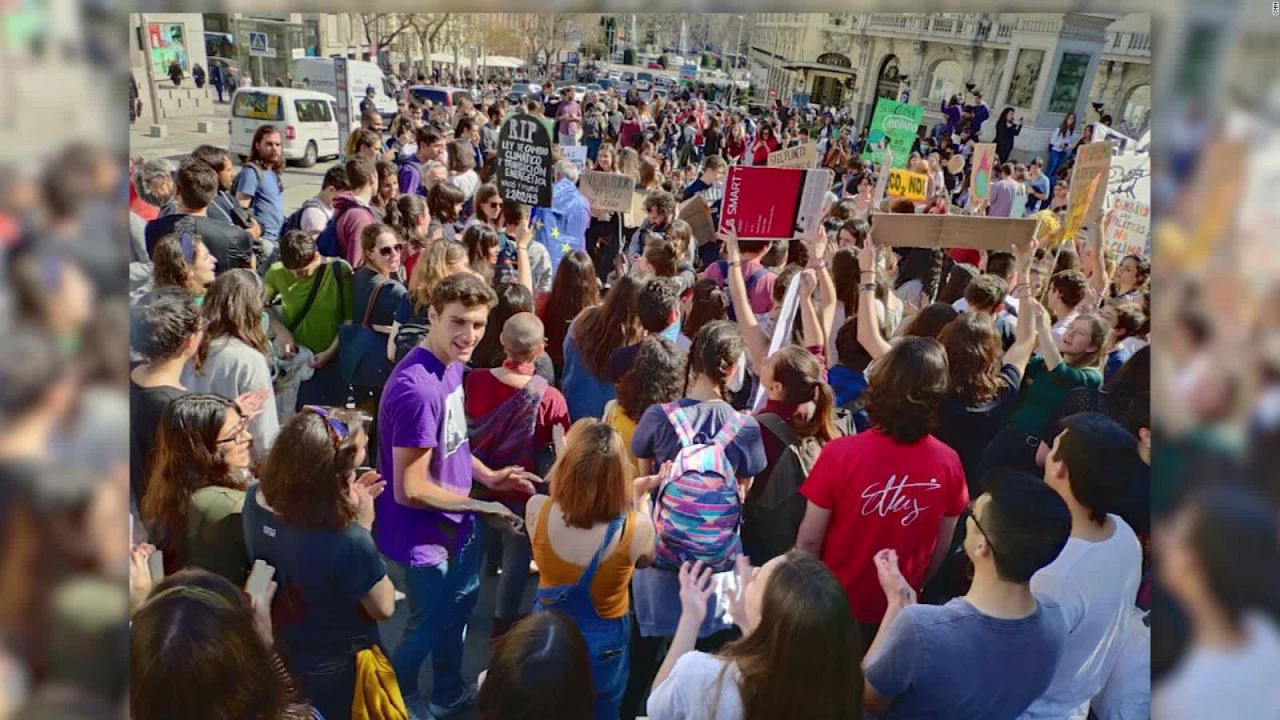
(765, 144)
(895, 486)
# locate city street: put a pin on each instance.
(299, 183)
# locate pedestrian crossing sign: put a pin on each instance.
(258, 44)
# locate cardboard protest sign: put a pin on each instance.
(524, 154)
(767, 203)
(635, 214)
(1077, 209)
(698, 215)
(576, 154)
(607, 191)
(1128, 227)
(1128, 178)
(983, 176)
(801, 156)
(956, 164)
(894, 125)
(951, 231)
(1092, 161)
(909, 185)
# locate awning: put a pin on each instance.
(493, 61)
(821, 67)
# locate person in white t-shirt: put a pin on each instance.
(1092, 464)
(1127, 692)
(798, 657)
(1217, 558)
(317, 211)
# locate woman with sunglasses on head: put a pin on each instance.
(376, 292)
(231, 359)
(310, 517)
(183, 262)
(195, 491)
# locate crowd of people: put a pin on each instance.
(931, 501)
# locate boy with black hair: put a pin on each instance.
(315, 299)
(316, 212)
(431, 148)
(985, 296)
(848, 378)
(658, 308)
(165, 329)
(1092, 465)
(990, 653)
(197, 185)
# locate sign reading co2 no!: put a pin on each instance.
(909, 185)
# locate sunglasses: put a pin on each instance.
(390, 250)
(970, 511)
(494, 204)
(337, 428)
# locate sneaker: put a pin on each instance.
(466, 700)
(418, 707)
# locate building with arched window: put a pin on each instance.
(1043, 65)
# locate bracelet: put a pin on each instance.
(822, 265)
(735, 263)
(867, 287)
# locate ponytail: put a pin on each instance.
(799, 373)
(715, 350)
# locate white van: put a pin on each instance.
(317, 74)
(308, 122)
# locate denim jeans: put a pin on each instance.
(593, 148)
(1055, 161)
(441, 598)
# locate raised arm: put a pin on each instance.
(810, 323)
(821, 249)
(1044, 330)
(524, 268)
(1025, 338)
(868, 328)
(757, 342)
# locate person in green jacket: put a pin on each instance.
(1059, 368)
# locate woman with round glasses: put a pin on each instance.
(376, 292)
(195, 492)
(310, 518)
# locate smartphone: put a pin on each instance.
(155, 562)
(259, 578)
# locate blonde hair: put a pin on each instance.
(440, 260)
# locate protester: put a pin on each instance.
(197, 185)
(260, 187)
(232, 358)
(574, 289)
(310, 518)
(540, 668)
(352, 212)
(589, 342)
(1058, 145)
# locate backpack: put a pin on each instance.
(409, 336)
(327, 241)
(294, 221)
(751, 281)
(697, 511)
(774, 508)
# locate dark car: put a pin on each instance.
(520, 91)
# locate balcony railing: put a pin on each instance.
(1128, 43)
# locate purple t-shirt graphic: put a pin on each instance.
(422, 408)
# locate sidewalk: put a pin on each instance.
(182, 135)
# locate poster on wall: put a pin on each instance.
(1068, 83)
(168, 43)
(894, 125)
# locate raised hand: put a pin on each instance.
(868, 256)
(250, 403)
(695, 589)
(738, 598)
(362, 491)
(139, 574)
(730, 239)
(896, 588)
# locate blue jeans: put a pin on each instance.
(593, 147)
(441, 598)
(1055, 161)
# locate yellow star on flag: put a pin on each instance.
(555, 233)
(537, 225)
(565, 249)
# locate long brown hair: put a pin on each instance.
(1063, 127)
(484, 193)
(171, 268)
(185, 459)
(973, 358)
(716, 347)
(906, 387)
(256, 158)
(707, 302)
(573, 290)
(591, 481)
(405, 215)
(304, 478)
(606, 327)
(800, 375)
(1099, 332)
(233, 307)
(802, 661)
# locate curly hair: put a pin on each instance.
(655, 377)
(973, 357)
(905, 388)
(304, 478)
(185, 459)
(233, 307)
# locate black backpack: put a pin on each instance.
(294, 221)
(774, 508)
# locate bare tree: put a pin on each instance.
(547, 36)
(427, 27)
(374, 23)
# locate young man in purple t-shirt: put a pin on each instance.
(427, 524)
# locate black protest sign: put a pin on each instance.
(525, 169)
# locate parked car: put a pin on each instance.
(628, 76)
(309, 120)
(520, 91)
(438, 95)
(317, 74)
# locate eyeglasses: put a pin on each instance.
(337, 428)
(971, 511)
(237, 433)
(390, 250)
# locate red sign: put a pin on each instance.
(773, 93)
(767, 203)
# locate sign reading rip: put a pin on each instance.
(524, 157)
